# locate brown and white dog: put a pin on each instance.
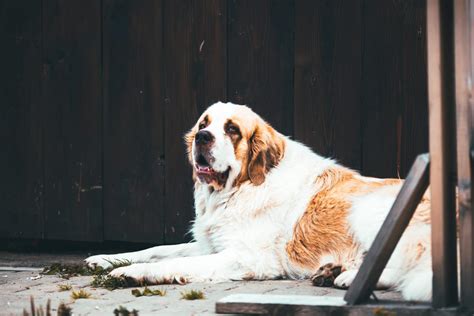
(268, 207)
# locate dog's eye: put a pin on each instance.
(202, 125)
(231, 129)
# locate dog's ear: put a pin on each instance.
(188, 141)
(266, 150)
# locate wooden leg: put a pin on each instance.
(442, 151)
(463, 38)
(391, 231)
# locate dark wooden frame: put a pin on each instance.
(450, 68)
(464, 69)
(442, 151)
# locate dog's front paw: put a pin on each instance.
(345, 279)
(148, 273)
(326, 275)
(134, 274)
(102, 261)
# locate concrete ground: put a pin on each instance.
(19, 281)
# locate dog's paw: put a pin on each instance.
(134, 274)
(345, 279)
(326, 275)
(146, 273)
(102, 261)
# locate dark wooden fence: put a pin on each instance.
(96, 96)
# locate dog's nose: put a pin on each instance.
(203, 138)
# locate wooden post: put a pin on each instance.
(442, 151)
(391, 231)
(463, 38)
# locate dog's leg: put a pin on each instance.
(148, 255)
(388, 279)
(219, 267)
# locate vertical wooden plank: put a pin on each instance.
(21, 160)
(382, 97)
(73, 111)
(394, 86)
(195, 67)
(328, 78)
(463, 39)
(441, 105)
(133, 120)
(261, 59)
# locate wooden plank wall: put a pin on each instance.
(133, 120)
(21, 158)
(394, 92)
(72, 109)
(328, 72)
(96, 96)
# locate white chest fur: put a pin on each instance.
(259, 218)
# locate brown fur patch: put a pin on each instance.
(266, 151)
(263, 150)
(420, 250)
(323, 228)
(248, 276)
(423, 211)
(235, 136)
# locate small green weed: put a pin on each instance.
(101, 277)
(64, 287)
(108, 282)
(81, 294)
(67, 271)
(122, 311)
(147, 292)
(104, 280)
(192, 295)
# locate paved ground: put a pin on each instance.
(17, 285)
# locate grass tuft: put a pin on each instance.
(101, 277)
(192, 295)
(67, 271)
(64, 287)
(108, 282)
(81, 294)
(122, 311)
(147, 292)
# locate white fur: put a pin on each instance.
(410, 270)
(242, 232)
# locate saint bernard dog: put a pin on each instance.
(267, 207)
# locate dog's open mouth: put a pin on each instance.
(205, 172)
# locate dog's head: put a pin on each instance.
(230, 144)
